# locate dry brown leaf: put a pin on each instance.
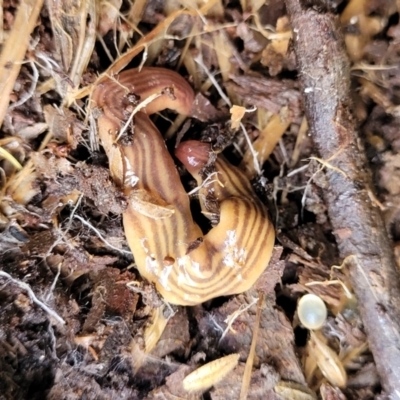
(74, 26)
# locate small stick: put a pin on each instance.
(358, 225)
(250, 359)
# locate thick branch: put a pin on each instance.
(357, 222)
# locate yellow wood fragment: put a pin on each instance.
(210, 374)
(294, 391)
(327, 360)
(237, 113)
(154, 331)
(265, 143)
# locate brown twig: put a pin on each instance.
(357, 222)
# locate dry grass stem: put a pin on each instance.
(14, 50)
(250, 359)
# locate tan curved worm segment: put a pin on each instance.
(170, 250)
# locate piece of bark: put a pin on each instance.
(271, 94)
(275, 342)
(175, 337)
(173, 388)
(357, 222)
(261, 386)
(329, 392)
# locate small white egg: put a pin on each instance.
(312, 311)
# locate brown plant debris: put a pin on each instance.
(150, 152)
